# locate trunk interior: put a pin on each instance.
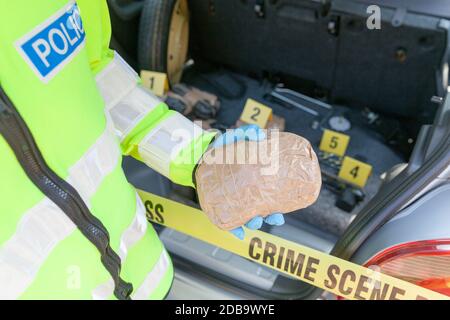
(318, 226)
(352, 79)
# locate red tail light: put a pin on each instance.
(425, 263)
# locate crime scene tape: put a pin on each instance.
(332, 274)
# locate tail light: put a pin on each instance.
(424, 263)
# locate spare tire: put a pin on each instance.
(164, 37)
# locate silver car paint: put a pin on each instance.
(426, 219)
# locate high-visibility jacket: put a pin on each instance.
(85, 109)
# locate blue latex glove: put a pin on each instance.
(251, 133)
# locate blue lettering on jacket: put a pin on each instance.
(52, 45)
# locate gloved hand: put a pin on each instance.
(251, 133)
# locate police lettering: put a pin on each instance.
(51, 45)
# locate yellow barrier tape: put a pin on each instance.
(332, 274)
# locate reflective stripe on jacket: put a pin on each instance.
(85, 109)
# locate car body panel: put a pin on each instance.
(427, 218)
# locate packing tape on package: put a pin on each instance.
(332, 274)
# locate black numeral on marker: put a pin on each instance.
(152, 82)
(355, 172)
(334, 142)
(257, 113)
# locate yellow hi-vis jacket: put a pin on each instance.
(85, 109)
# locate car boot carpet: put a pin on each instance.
(365, 145)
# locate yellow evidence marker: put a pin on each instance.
(256, 113)
(157, 82)
(355, 171)
(334, 142)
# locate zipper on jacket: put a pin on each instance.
(18, 136)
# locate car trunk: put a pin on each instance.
(374, 85)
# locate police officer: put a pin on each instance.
(71, 226)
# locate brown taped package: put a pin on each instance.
(276, 123)
(280, 174)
